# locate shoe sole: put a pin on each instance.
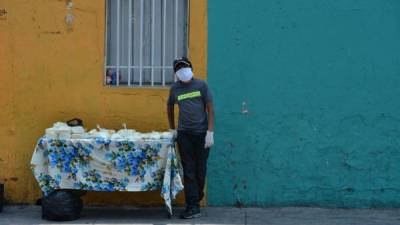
(192, 216)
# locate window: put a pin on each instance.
(143, 38)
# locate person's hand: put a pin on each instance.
(174, 133)
(209, 139)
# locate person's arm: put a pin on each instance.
(171, 116)
(210, 112)
(209, 140)
(170, 109)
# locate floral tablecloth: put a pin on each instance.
(108, 165)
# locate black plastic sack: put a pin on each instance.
(75, 122)
(61, 205)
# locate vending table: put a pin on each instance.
(97, 164)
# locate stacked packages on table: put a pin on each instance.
(61, 130)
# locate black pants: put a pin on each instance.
(194, 161)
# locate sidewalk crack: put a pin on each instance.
(245, 217)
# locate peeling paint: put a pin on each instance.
(51, 32)
(69, 18)
(3, 14)
(244, 108)
(51, 75)
(69, 4)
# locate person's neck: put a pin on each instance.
(187, 82)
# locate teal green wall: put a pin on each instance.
(321, 82)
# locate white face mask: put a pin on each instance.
(184, 74)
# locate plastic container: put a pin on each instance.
(77, 130)
(78, 136)
(51, 133)
(103, 134)
(64, 134)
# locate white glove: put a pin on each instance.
(209, 139)
(174, 133)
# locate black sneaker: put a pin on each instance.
(191, 213)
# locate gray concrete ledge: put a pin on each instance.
(24, 215)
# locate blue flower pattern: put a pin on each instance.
(108, 165)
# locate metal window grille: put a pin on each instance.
(143, 37)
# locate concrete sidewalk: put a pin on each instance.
(23, 215)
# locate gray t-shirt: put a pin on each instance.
(191, 99)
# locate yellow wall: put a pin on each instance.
(49, 73)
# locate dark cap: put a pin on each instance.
(182, 60)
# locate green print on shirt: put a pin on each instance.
(193, 94)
